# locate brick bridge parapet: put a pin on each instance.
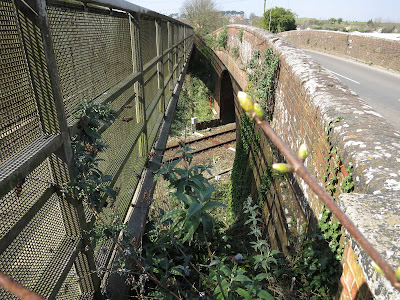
(307, 101)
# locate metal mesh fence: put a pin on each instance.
(70, 287)
(89, 43)
(18, 110)
(38, 255)
(91, 52)
(149, 51)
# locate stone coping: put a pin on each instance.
(378, 218)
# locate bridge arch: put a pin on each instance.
(225, 98)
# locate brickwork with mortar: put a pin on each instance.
(307, 100)
(372, 50)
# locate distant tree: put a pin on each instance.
(202, 15)
(255, 20)
(175, 15)
(332, 20)
(281, 20)
(340, 20)
(370, 24)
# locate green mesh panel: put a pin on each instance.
(151, 85)
(126, 186)
(39, 254)
(93, 53)
(16, 203)
(40, 77)
(148, 35)
(83, 272)
(164, 30)
(149, 51)
(70, 289)
(19, 121)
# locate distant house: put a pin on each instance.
(236, 19)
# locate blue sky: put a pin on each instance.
(349, 10)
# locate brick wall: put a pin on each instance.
(353, 282)
(307, 100)
(371, 50)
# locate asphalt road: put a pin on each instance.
(377, 87)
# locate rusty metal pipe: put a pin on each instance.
(17, 289)
(302, 171)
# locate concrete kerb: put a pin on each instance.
(363, 138)
(137, 213)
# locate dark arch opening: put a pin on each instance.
(226, 99)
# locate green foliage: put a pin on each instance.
(263, 78)
(241, 171)
(192, 194)
(240, 35)
(222, 38)
(341, 25)
(348, 183)
(370, 24)
(281, 20)
(193, 102)
(389, 29)
(211, 41)
(318, 266)
(235, 283)
(239, 282)
(265, 184)
(264, 260)
(189, 268)
(332, 20)
(331, 176)
(203, 13)
(235, 52)
(88, 183)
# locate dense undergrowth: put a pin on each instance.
(194, 101)
(311, 269)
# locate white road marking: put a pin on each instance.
(344, 77)
(232, 149)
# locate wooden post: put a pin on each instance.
(137, 61)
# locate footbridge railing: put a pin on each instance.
(54, 55)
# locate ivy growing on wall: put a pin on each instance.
(262, 74)
(241, 170)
